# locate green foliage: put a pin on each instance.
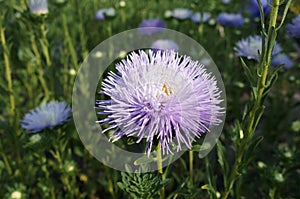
(142, 185)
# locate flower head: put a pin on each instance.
(200, 17)
(101, 13)
(151, 26)
(164, 44)
(230, 20)
(182, 13)
(253, 8)
(282, 59)
(160, 96)
(38, 7)
(47, 116)
(250, 46)
(293, 28)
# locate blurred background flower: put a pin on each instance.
(253, 8)
(282, 59)
(151, 26)
(165, 44)
(47, 116)
(200, 17)
(230, 20)
(293, 28)
(182, 13)
(38, 7)
(250, 46)
(102, 13)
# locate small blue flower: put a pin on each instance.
(200, 17)
(151, 26)
(293, 28)
(230, 20)
(47, 116)
(282, 59)
(101, 13)
(250, 46)
(164, 44)
(253, 8)
(38, 7)
(182, 13)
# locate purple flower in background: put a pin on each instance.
(38, 7)
(250, 46)
(101, 13)
(160, 96)
(282, 59)
(47, 116)
(293, 28)
(164, 44)
(253, 8)
(182, 13)
(226, 1)
(230, 20)
(200, 17)
(151, 26)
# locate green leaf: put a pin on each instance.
(248, 73)
(222, 160)
(143, 160)
(251, 149)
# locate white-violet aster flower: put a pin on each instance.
(250, 46)
(38, 7)
(160, 96)
(47, 116)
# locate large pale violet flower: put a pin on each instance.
(230, 20)
(293, 28)
(250, 46)
(48, 115)
(160, 96)
(151, 26)
(38, 7)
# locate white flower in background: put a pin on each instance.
(16, 195)
(38, 7)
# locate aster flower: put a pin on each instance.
(151, 26)
(293, 28)
(47, 116)
(282, 59)
(230, 20)
(101, 13)
(200, 17)
(160, 96)
(164, 44)
(38, 7)
(253, 8)
(226, 1)
(182, 13)
(250, 46)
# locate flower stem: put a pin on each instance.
(69, 42)
(8, 73)
(191, 158)
(40, 67)
(160, 169)
(261, 85)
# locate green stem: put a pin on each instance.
(253, 113)
(40, 67)
(7, 165)
(110, 182)
(45, 45)
(82, 33)
(69, 42)
(8, 73)
(191, 158)
(160, 169)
